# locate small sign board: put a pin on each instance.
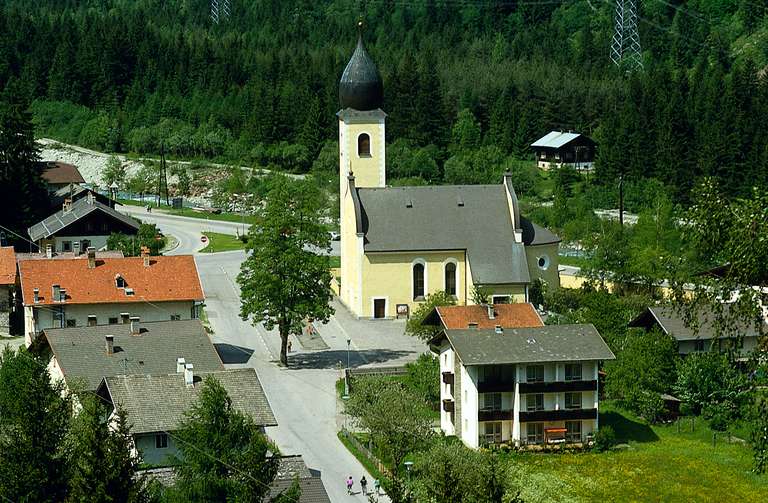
(204, 239)
(402, 311)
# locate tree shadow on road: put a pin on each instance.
(338, 358)
(230, 353)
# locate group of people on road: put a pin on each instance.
(363, 485)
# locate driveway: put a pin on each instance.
(303, 395)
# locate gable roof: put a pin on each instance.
(76, 192)
(506, 315)
(167, 278)
(55, 172)
(293, 468)
(475, 218)
(158, 402)
(7, 265)
(555, 139)
(81, 351)
(78, 210)
(550, 343)
(672, 324)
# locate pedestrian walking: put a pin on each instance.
(364, 485)
(350, 483)
(289, 345)
(376, 486)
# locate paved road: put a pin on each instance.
(188, 230)
(302, 396)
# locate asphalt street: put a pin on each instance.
(303, 395)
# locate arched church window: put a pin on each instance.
(418, 281)
(450, 278)
(364, 145)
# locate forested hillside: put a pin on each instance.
(468, 83)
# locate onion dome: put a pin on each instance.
(360, 86)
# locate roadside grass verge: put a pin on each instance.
(364, 460)
(218, 242)
(189, 212)
(659, 464)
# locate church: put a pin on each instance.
(400, 244)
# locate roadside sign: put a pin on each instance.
(203, 239)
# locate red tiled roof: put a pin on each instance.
(165, 279)
(7, 265)
(61, 172)
(507, 315)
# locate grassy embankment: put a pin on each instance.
(218, 242)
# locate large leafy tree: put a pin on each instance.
(224, 455)
(285, 278)
(415, 327)
(101, 465)
(33, 423)
(398, 421)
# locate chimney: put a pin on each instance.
(76, 248)
(181, 364)
(48, 251)
(91, 251)
(491, 312)
(56, 293)
(189, 375)
(499, 330)
(145, 255)
(110, 340)
(67, 205)
(135, 325)
(36, 293)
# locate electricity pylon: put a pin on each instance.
(625, 47)
(220, 10)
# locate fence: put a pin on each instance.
(363, 450)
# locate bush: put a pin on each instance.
(650, 406)
(718, 416)
(605, 438)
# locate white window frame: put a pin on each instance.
(570, 406)
(573, 436)
(535, 407)
(507, 297)
(423, 262)
(538, 438)
(370, 145)
(535, 379)
(581, 372)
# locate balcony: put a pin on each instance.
(448, 377)
(557, 415)
(557, 386)
(496, 386)
(448, 405)
(495, 415)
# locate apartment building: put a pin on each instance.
(89, 291)
(522, 386)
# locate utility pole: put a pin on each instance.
(621, 200)
(220, 10)
(625, 46)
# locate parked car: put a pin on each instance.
(335, 236)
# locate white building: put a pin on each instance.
(520, 386)
(88, 291)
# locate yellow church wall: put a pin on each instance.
(550, 276)
(389, 276)
(350, 259)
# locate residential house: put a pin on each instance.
(484, 316)
(59, 293)
(156, 404)
(704, 334)
(75, 192)
(520, 386)
(400, 244)
(81, 224)
(57, 175)
(82, 356)
(7, 287)
(558, 149)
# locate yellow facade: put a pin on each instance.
(367, 167)
(548, 272)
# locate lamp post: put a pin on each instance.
(346, 371)
(113, 191)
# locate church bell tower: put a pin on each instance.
(361, 121)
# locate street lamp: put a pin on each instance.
(113, 191)
(346, 372)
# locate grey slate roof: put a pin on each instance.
(436, 221)
(293, 468)
(158, 402)
(534, 235)
(555, 139)
(81, 351)
(671, 323)
(551, 343)
(79, 209)
(76, 192)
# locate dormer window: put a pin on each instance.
(364, 145)
(119, 281)
(129, 291)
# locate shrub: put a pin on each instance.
(718, 416)
(424, 378)
(605, 438)
(651, 406)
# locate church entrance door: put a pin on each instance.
(379, 308)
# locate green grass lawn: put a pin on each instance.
(660, 465)
(222, 242)
(187, 212)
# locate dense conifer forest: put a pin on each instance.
(469, 84)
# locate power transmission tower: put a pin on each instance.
(625, 47)
(220, 10)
